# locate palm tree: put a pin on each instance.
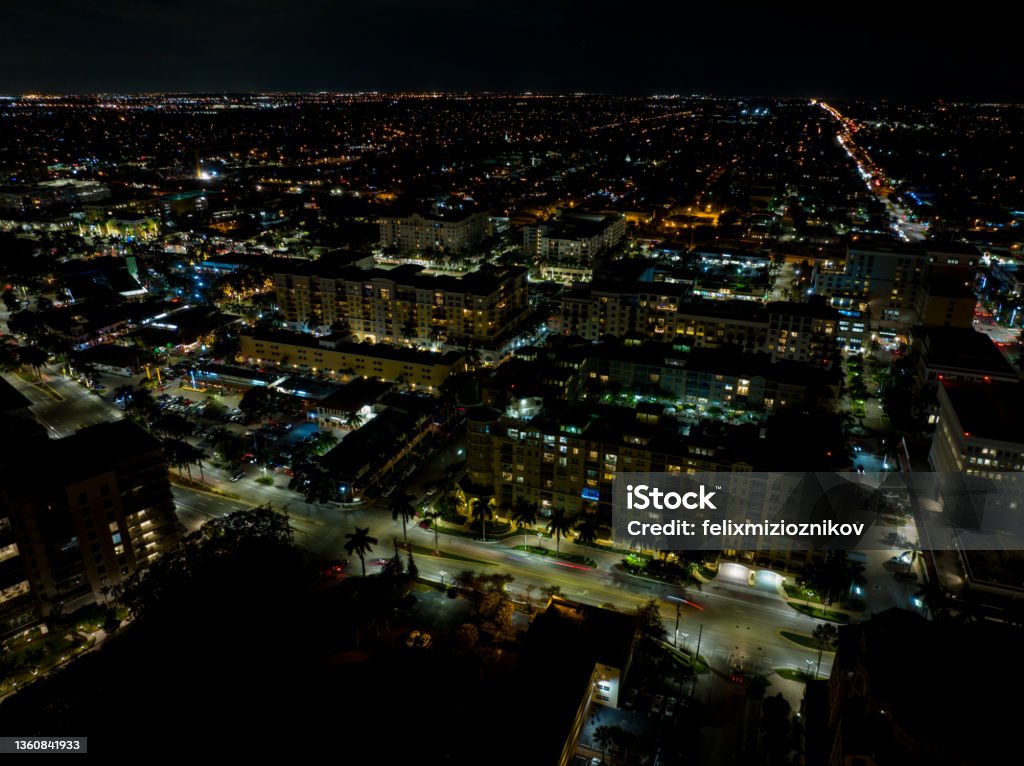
(262, 455)
(434, 516)
(142, 407)
(315, 482)
(173, 425)
(452, 504)
(353, 419)
(197, 457)
(473, 358)
(360, 543)
(931, 597)
(230, 446)
(604, 738)
(322, 441)
(524, 514)
(408, 330)
(586, 529)
(402, 508)
(178, 453)
(33, 357)
(558, 526)
(825, 636)
(482, 510)
(831, 575)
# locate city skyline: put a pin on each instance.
(871, 52)
(410, 402)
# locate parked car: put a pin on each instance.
(658, 704)
(670, 707)
(423, 641)
(412, 639)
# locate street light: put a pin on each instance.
(685, 636)
(810, 664)
(443, 573)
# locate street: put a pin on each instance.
(740, 624)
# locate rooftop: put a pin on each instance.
(377, 350)
(964, 349)
(484, 280)
(11, 398)
(989, 410)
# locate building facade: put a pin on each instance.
(482, 309)
(414, 367)
(80, 515)
(803, 332)
(442, 233)
(980, 429)
(564, 250)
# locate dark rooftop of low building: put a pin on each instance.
(561, 648)
(948, 286)
(378, 350)
(375, 441)
(11, 398)
(355, 394)
(927, 703)
(239, 373)
(962, 348)
(97, 448)
(957, 248)
(720, 361)
(115, 355)
(989, 410)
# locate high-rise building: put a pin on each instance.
(612, 307)
(803, 332)
(563, 250)
(705, 379)
(883, 277)
(565, 456)
(947, 301)
(980, 429)
(81, 514)
(441, 232)
(889, 280)
(482, 309)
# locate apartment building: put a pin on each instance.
(980, 430)
(705, 379)
(891, 281)
(414, 367)
(563, 250)
(803, 332)
(441, 232)
(79, 515)
(483, 308)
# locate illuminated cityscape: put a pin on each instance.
(318, 390)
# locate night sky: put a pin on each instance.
(857, 50)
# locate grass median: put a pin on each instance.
(808, 642)
(572, 558)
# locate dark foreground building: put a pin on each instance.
(77, 516)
